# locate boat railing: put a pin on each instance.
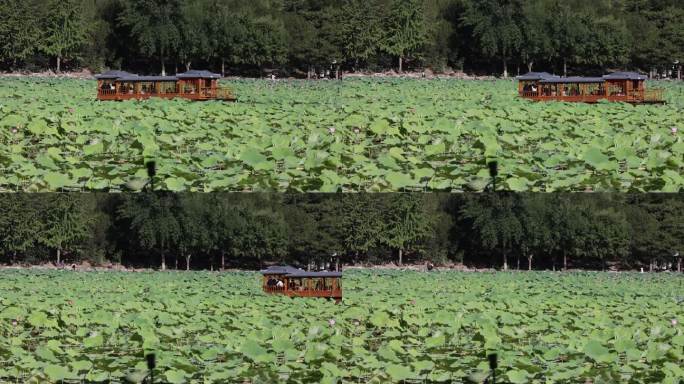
(106, 92)
(654, 95)
(274, 289)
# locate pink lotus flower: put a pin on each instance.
(331, 130)
(15, 130)
(357, 131)
(674, 130)
(71, 110)
(413, 302)
(331, 322)
(357, 323)
(674, 322)
(14, 323)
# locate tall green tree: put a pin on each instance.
(406, 222)
(360, 30)
(65, 29)
(405, 29)
(494, 217)
(153, 218)
(65, 223)
(496, 26)
(20, 30)
(155, 26)
(535, 223)
(569, 32)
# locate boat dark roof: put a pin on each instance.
(546, 77)
(536, 76)
(625, 76)
(315, 274)
(195, 74)
(113, 75)
(574, 79)
(133, 78)
(280, 270)
(296, 272)
(126, 76)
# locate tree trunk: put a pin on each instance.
(401, 260)
(187, 66)
(163, 66)
(187, 262)
(59, 255)
(223, 260)
(565, 67)
(529, 262)
(679, 264)
(163, 261)
(650, 266)
(679, 72)
(401, 64)
(175, 262)
(517, 262)
(59, 64)
(505, 69)
(223, 67)
(565, 261)
(529, 66)
(505, 261)
(308, 72)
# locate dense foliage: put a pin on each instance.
(352, 135)
(302, 36)
(391, 327)
(215, 231)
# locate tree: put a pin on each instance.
(20, 222)
(360, 30)
(195, 33)
(536, 45)
(155, 26)
(405, 29)
(496, 26)
(568, 226)
(65, 222)
(19, 29)
(669, 213)
(65, 29)
(607, 235)
(154, 218)
(494, 218)
(406, 222)
(536, 226)
(568, 31)
(195, 233)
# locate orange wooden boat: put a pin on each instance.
(294, 282)
(191, 85)
(627, 87)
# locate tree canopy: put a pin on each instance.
(219, 230)
(302, 37)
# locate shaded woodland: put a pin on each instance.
(214, 230)
(306, 37)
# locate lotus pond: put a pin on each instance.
(391, 327)
(353, 135)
